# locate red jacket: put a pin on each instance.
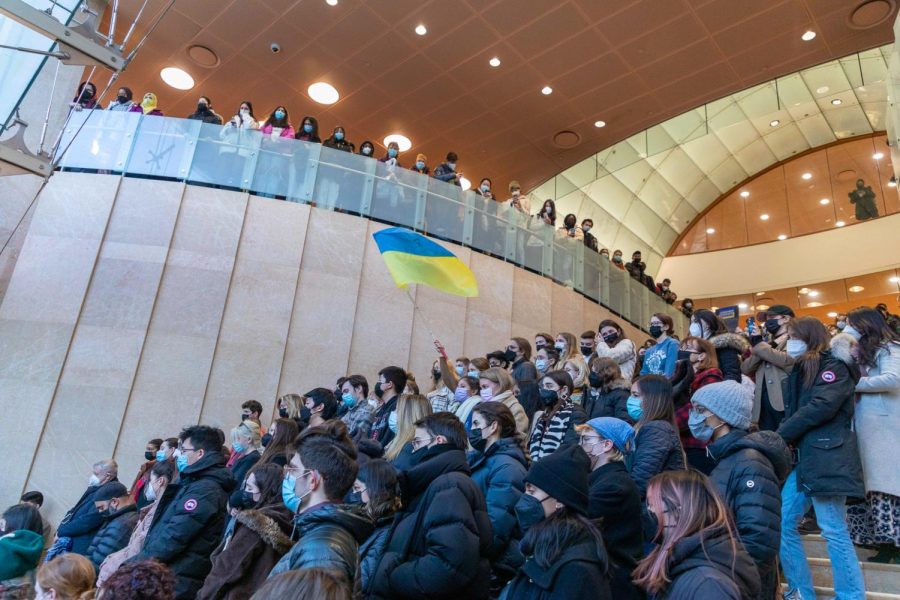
(683, 412)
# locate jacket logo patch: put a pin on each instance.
(190, 505)
(828, 376)
(750, 483)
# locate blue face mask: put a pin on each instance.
(366, 150)
(473, 373)
(485, 187)
(392, 421)
(160, 455)
(460, 370)
(238, 447)
(796, 348)
(699, 428)
(541, 364)
(420, 164)
(460, 395)
(634, 407)
(307, 128)
(288, 495)
(181, 463)
(392, 152)
(338, 135)
(279, 114)
(348, 400)
(851, 330)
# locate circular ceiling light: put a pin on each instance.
(832, 314)
(177, 78)
(599, 124)
(760, 293)
(764, 217)
(806, 176)
(813, 293)
(401, 140)
(494, 62)
(742, 306)
(710, 230)
(839, 224)
(808, 35)
(782, 237)
(814, 304)
(837, 101)
(803, 291)
(774, 123)
(331, 2)
(547, 90)
(421, 29)
(465, 183)
(762, 307)
(323, 93)
(822, 90)
(878, 155)
(856, 289)
(824, 201)
(745, 194)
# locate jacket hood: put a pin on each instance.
(618, 384)
(272, 524)
(841, 348)
(768, 443)
(20, 552)
(210, 467)
(713, 549)
(417, 479)
(352, 517)
(730, 340)
(502, 447)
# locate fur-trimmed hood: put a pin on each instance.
(730, 340)
(842, 348)
(271, 524)
(619, 384)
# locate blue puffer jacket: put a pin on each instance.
(657, 448)
(500, 474)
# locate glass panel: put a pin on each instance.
(103, 142)
(398, 195)
(444, 209)
(225, 156)
(619, 282)
(564, 260)
(272, 176)
(164, 147)
(533, 237)
(489, 227)
(344, 180)
(590, 286)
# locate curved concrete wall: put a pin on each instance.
(137, 307)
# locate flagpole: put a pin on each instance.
(421, 314)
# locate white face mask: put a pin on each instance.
(795, 348)
(696, 330)
(850, 330)
(94, 481)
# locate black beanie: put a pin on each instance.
(564, 476)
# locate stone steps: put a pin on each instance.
(879, 578)
(816, 547)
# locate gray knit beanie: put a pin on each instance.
(727, 400)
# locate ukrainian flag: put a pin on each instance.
(413, 258)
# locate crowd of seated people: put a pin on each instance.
(573, 467)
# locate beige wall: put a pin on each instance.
(137, 307)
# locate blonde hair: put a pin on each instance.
(410, 408)
(615, 455)
(499, 376)
(581, 367)
(293, 403)
(573, 348)
(705, 346)
(249, 429)
(71, 576)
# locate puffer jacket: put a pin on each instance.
(730, 350)
(610, 402)
(708, 568)
(438, 545)
(114, 534)
(145, 517)
(243, 560)
(579, 573)
(329, 538)
(817, 421)
(656, 449)
(500, 474)
(750, 470)
(371, 551)
(82, 522)
(188, 527)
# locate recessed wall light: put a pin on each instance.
(814, 304)
(878, 155)
(894, 279)
(323, 93)
(856, 289)
(421, 29)
(774, 123)
(824, 201)
(762, 307)
(803, 291)
(839, 224)
(494, 62)
(743, 306)
(892, 182)
(806, 176)
(808, 36)
(547, 90)
(465, 183)
(177, 78)
(402, 141)
(832, 314)
(813, 294)
(599, 124)
(710, 230)
(782, 237)
(745, 194)
(760, 293)
(764, 217)
(837, 101)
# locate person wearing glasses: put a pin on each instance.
(192, 521)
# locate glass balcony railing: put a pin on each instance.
(294, 171)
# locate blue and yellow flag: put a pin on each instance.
(413, 258)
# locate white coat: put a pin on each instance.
(877, 421)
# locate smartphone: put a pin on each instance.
(751, 325)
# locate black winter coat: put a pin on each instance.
(239, 470)
(328, 538)
(500, 474)
(342, 145)
(82, 522)
(730, 350)
(187, 529)
(817, 422)
(371, 551)
(114, 535)
(704, 571)
(750, 470)
(438, 546)
(657, 448)
(580, 573)
(611, 403)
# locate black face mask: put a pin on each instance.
(549, 397)
(684, 355)
(610, 338)
(529, 512)
(656, 331)
(772, 326)
(245, 501)
(305, 414)
(149, 455)
(266, 439)
(378, 391)
(594, 380)
(476, 441)
(202, 107)
(587, 350)
(244, 417)
(509, 355)
(122, 99)
(355, 498)
(283, 413)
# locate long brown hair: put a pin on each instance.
(694, 506)
(811, 331)
(607, 369)
(706, 347)
(321, 584)
(874, 331)
(71, 576)
(656, 400)
(286, 431)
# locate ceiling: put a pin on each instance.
(630, 63)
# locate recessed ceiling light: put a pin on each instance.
(822, 90)
(323, 93)
(401, 140)
(465, 183)
(710, 230)
(331, 2)
(745, 194)
(764, 217)
(599, 124)
(742, 306)
(547, 90)
(808, 36)
(856, 289)
(878, 155)
(803, 291)
(813, 293)
(806, 176)
(421, 29)
(774, 123)
(837, 101)
(814, 304)
(762, 307)
(782, 237)
(824, 201)
(760, 293)
(832, 314)
(839, 224)
(177, 78)
(894, 279)
(494, 62)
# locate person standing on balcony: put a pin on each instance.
(589, 239)
(446, 171)
(123, 101)
(570, 228)
(421, 165)
(367, 148)
(278, 124)
(148, 106)
(517, 200)
(618, 261)
(338, 141)
(309, 131)
(392, 158)
(244, 118)
(205, 112)
(484, 189)
(86, 98)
